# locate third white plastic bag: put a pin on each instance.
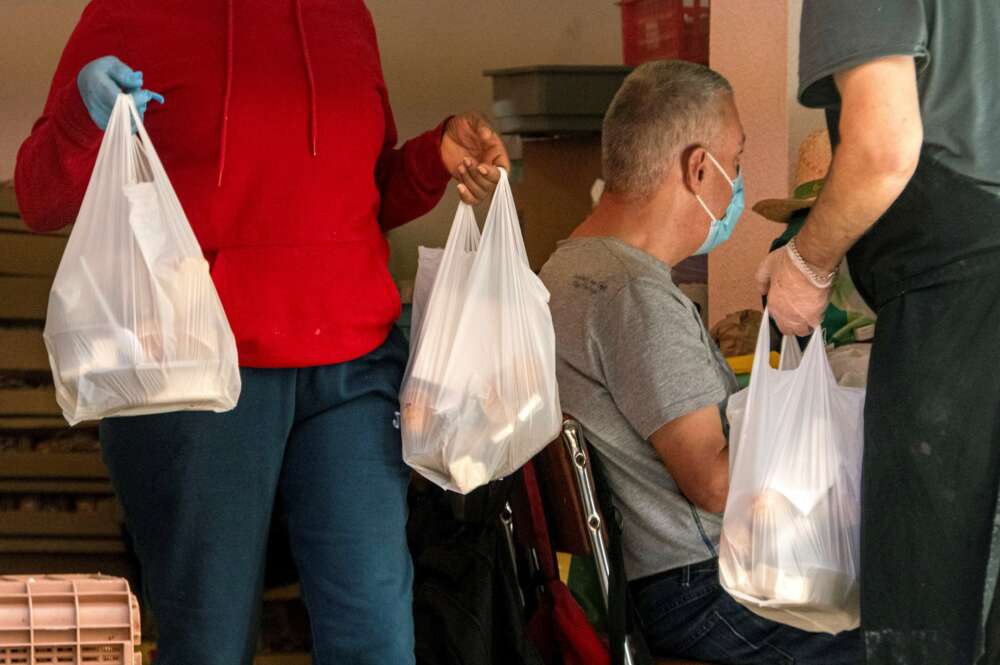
(134, 324)
(479, 396)
(789, 547)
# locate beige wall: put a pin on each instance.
(755, 45)
(433, 53)
(32, 35)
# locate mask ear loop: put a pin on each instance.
(725, 175)
(705, 207)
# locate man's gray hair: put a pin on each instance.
(662, 108)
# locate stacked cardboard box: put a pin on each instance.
(57, 509)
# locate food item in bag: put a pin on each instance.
(807, 582)
(478, 397)
(789, 549)
(134, 325)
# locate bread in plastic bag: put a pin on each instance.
(134, 324)
(479, 395)
(789, 548)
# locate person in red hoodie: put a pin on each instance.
(276, 131)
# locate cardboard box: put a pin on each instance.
(24, 298)
(552, 191)
(29, 254)
(8, 202)
(23, 349)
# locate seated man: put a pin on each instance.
(638, 369)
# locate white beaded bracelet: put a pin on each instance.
(816, 279)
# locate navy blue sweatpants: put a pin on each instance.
(198, 491)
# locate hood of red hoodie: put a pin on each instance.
(250, 86)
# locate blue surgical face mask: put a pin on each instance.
(721, 229)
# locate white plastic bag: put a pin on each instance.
(479, 396)
(789, 547)
(134, 323)
(428, 263)
(463, 241)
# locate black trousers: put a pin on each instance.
(931, 466)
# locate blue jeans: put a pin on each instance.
(686, 613)
(199, 489)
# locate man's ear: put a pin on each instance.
(693, 163)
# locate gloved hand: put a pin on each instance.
(794, 302)
(102, 80)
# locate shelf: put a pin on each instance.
(22, 402)
(56, 486)
(8, 201)
(36, 423)
(13, 222)
(35, 465)
(61, 546)
(30, 254)
(24, 298)
(22, 349)
(46, 524)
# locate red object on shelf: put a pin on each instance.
(665, 29)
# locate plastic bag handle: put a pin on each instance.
(762, 356)
(791, 353)
(814, 356)
(509, 232)
(120, 129)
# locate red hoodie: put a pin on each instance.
(278, 138)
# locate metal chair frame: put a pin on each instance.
(575, 443)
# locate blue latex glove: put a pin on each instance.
(102, 80)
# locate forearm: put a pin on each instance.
(715, 495)
(855, 196)
(695, 452)
(54, 163)
(881, 137)
(411, 179)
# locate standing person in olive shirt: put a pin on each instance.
(913, 199)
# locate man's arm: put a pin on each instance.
(881, 135)
(696, 454)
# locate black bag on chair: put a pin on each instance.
(466, 601)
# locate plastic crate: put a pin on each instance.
(665, 29)
(553, 99)
(77, 619)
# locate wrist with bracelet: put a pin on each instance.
(818, 278)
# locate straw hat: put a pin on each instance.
(814, 162)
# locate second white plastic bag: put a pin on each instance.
(790, 535)
(134, 324)
(479, 396)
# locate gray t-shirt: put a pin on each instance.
(632, 355)
(956, 44)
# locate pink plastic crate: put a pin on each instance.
(665, 29)
(78, 619)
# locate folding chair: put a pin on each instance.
(577, 523)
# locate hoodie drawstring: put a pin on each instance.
(229, 90)
(313, 121)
